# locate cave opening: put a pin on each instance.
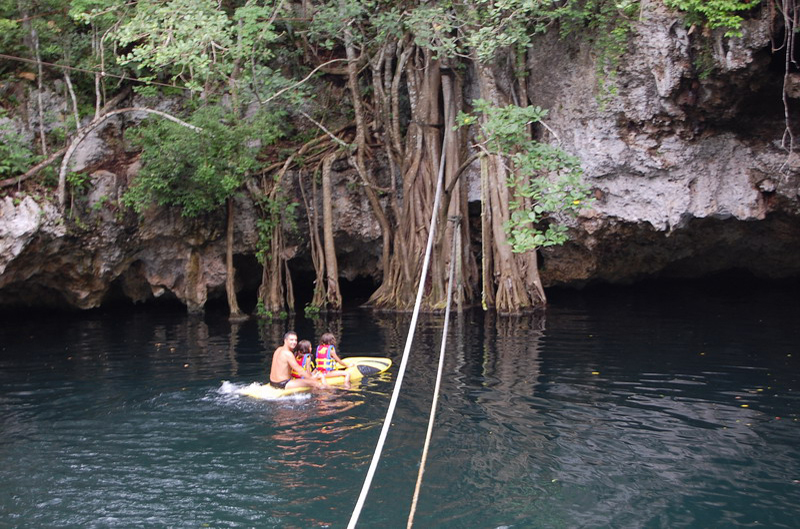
(248, 279)
(761, 108)
(355, 292)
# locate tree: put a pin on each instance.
(218, 53)
(201, 170)
(423, 49)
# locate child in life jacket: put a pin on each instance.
(303, 356)
(327, 359)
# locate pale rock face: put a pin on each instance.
(670, 152)
(95, 147)
(694, 181)
(20, 224)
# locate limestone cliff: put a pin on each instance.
(689, 173)
(686, 162)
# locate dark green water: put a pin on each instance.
(673, 407)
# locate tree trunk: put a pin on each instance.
(317, 249)
(273, 299)
(454, 201)
(334, 297)
(512, 276)
(357, 160)
(230, 280)
(419, 176)
(74, 99)
(531, 268)
(271, 290)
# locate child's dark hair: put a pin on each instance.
(303, 347)
(327, 339)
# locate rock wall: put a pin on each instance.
(105, 253)
(86, 261)
(687, 170)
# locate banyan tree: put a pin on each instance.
(405, 71)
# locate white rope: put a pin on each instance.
(438, 382)
(401, 372)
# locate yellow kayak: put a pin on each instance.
(358, 367)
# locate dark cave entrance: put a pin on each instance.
(761, 107)
(354, 292)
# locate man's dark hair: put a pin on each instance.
(290, 333)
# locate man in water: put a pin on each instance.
(283, 362)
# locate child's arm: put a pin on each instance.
(336, 356)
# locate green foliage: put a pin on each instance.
(15, 152)
(331, 18)
(456, 28)
(199, 42)
(389, 23)
(78, 182)
(433, 27)
(275, 211)
(146, 90)
(101, 202)
(253, 33)
(703, 60)
(561, 194)
(59, 41)
(505, 128)
(715, 13)
(49, 177)
(101, 13)
(263, 313)
(311, 311)
(10, 36)
(452, 28)
(198, 171)
(185, 37)
(261, 310)
(460, 28)
(500, 23)
(545, 181)
(264, 226)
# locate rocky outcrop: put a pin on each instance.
(102, 252)
(688, 170)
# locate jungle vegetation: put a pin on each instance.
(273, 88)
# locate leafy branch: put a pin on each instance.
(546, 182)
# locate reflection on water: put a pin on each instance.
(638, 410)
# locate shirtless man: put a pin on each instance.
(283, 362)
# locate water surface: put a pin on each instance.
(672, 407)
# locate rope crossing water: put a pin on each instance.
(404, 361)
(438, 381)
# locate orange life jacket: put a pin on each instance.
(305, 364)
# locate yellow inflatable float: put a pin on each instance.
(358, 367)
